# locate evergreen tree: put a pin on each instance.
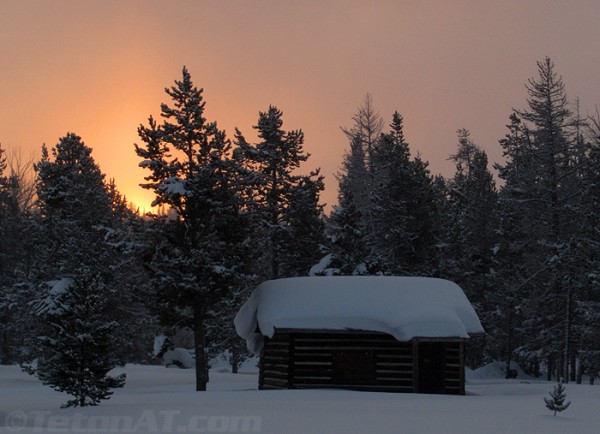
(18, 228)
(390, 202)
(272, 164)
(74, 207)
(83, 236)
(402, 208)
(346, 238)
(80, 346)
(387, 218)
(506, 306)
(6, 264)
(345, 225)
(192, 172)
(306, 234)
(556, 402)
(366, 129)
(472, 195)
(357, 169)
(471, 231)
(541, 197)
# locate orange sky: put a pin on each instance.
(99, 68)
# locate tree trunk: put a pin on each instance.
(199, 347)
(509, 342)
(567, 350)
(580, 370)
(235, 360)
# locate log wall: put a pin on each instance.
(352, 360)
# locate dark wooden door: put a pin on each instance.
(431, 362)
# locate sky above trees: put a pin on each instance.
(99, 68)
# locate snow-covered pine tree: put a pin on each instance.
(192, 172)
(390, 203)
(306, 234)
(402, 208)
(471, 231)
(6, 265)
(366, 129)
(79, 348)
(79, 229)
(548, 202)
(73, 204)
(272, 163)
(473, 198)
(345, 224)
(587, 312)
(357, 168)
(18, 228)
(556, 402)
(506, 309)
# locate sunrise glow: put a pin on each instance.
(99, 69)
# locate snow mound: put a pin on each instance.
(495, 370)
(404, 307)
(179, 357)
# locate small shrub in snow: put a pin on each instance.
(556, 402)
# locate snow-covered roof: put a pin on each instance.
(404, 307)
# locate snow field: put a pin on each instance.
(156, 399)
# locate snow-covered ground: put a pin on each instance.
(156, 399)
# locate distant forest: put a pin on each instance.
(87, 281)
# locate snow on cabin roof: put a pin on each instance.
(404, 307)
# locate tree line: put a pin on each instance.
(88, 284)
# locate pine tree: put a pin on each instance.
(506, 309)
(357, 169)
(556, 402)
(347, 246)
(192, 171)
(390, 205)
(17, 228)
(541, 191)
(472, 195)
(402, 208)
(345, 225)
(271, 165)
(82, 229)
(306, 234)
(366, 129)
(80, 347)
(387, 218)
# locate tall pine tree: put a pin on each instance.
(79, 347)
(275, 186)
(193, 173)
(541, 191)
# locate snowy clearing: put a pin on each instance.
(156, 399)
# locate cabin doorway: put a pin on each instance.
(431, 361)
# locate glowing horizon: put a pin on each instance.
(99, 69)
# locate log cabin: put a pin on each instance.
(371, 333)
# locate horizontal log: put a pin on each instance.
(317, 358)
(274, 387)
(346, 347)
(394, 355)
(371, 388)
(395, 373)
(312, 363)
(275, 374)
(281, 368)
(394, 365)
